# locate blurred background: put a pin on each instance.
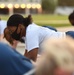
(44, 12)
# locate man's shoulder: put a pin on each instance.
(32, 27)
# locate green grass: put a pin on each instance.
(48, 20)
(45, 19)
(50, 17)
(4, 17)
(55, 25)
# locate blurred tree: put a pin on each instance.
(66, 2)
(48, 6)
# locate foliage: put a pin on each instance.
(48, 6)
(66, 2)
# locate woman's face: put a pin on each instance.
(16, 32)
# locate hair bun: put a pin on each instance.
(29, 17)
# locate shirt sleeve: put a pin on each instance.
(32, 40)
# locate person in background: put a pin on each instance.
(13, 42)
(12, 62)
(3, 24)
(33, 35)
(57, 58)
(71, 18)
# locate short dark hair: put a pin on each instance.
(71, 16)
(15, 20)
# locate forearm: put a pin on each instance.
(14, 45)
(31, 54)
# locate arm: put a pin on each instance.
(31, 54)
(8, 37)
(32, 43)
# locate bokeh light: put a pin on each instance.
(23, 6)
(38, 6)
(16, 6)
(2, 6)
(28, 6)
(10, 6)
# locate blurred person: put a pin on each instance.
(13, 42)
(71, 18)
(58, 57)
(2, 27)
(12, 62)
(33, 35)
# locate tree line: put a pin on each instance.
(48, 6)
(66, 2)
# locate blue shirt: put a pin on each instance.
(12, 62)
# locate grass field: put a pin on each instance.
(51, 20)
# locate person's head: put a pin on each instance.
(9, 38)
(71, 18)
(57, 58)
(17, 25)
